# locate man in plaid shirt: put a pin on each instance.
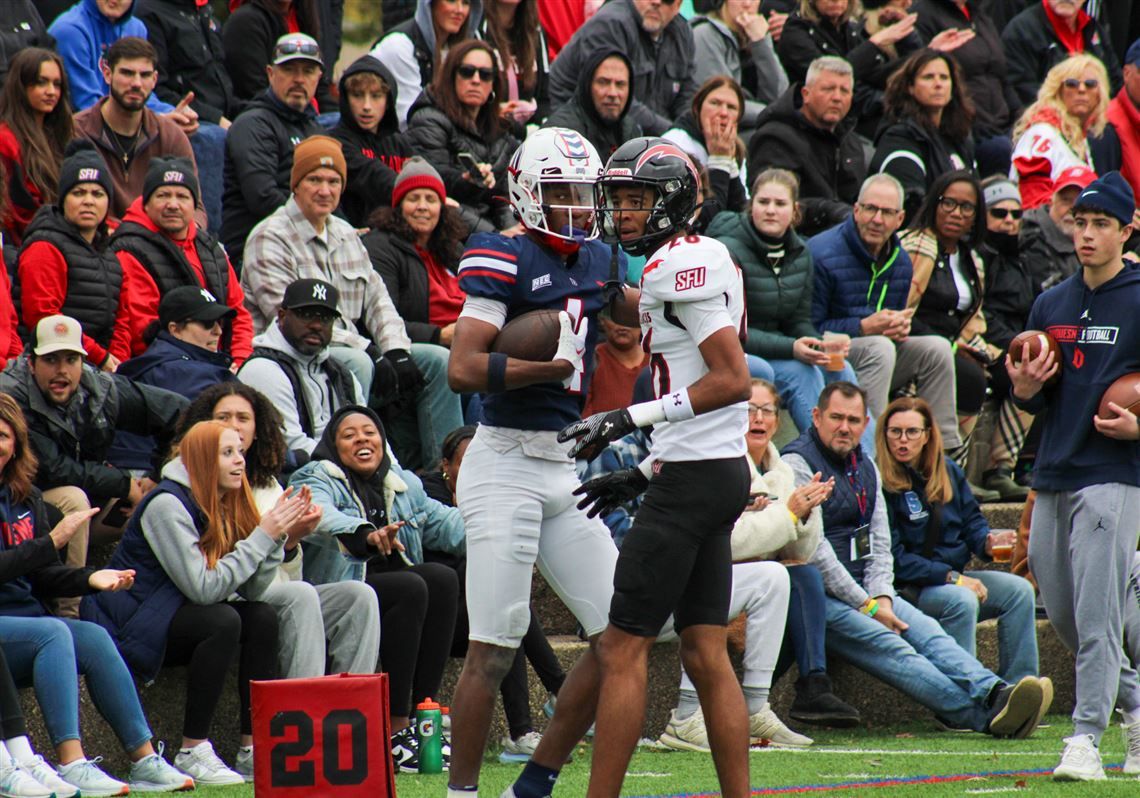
(302, 239)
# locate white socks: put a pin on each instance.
(21, 749)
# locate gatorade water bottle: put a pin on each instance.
(429, 730)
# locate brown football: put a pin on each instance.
(624, 310)
(530, 336)
(1125, 392)
(1027, 345)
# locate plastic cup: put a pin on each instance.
(835, 347)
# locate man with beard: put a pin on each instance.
(127, 133)
(292, 367)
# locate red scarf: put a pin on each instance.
(1072, 40)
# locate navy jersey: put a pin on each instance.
(523, 276)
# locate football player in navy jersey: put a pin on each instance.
(515, 488)
(676, 558)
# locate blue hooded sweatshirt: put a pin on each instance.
(1099, 336)
(83, 35)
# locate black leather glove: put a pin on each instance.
(609, 491)
(596, 432)
(385, 384)
(410, 377)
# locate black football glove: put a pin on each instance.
(597, 432)
(411, 379)
(609, 491)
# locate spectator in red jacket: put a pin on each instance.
(64, 266)
(35, 126)
(160, 247)
(1124, 115)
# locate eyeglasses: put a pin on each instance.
(767, 411)
(910, 433)
(1001, 213)
(297, 47)
(1073, 83)
(323, 315)
(949, 204)
(467, 72)
(875, 210)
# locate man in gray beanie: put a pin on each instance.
(161, 247)
(1087, 474)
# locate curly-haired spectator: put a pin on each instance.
(35, 126)
(415, 48)
(415, 246)
(49, 653)
(926, 130)
(1055, 132)
(196, 541)
(459, 114)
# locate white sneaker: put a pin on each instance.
(204, 766)
(520, 750)
(154, 774)
(686, 735)
(1132, 744)
(15, 782)
(766, 729)
(1080, 761)
(90, 780)
(45, 774)
(243, 762)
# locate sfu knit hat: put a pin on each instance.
(316, 152)
(170, 172)
(82, 163)
(417, 173)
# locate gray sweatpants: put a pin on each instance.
(884, 366)
(1132, 614)
(345, 614)
(1081, 547)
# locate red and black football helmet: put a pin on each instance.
(654, 163)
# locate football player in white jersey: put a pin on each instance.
(676, 559)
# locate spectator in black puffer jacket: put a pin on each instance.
(188, 38)
(252, 31)
(810, 132)
(599, 110)
(983, 65)
(1044, 35)
(369, 134)
(415, 246)
(20, 26)
(459, 114)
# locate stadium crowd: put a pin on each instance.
(232, 283)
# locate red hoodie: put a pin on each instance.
(1125, 117)
(144, 295)
(10, 343)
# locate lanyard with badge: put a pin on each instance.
(861, 538)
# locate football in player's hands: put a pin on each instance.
(596, 432)
(530, 336)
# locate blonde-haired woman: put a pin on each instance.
(936, 526)
(1053, 134)
(196, 540)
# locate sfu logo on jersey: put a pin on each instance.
(689, 278)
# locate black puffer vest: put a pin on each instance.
(94, 276)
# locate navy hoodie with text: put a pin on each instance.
(1099, 335)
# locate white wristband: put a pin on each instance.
(671, 407)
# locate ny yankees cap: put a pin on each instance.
(191, 303)
(311, 293)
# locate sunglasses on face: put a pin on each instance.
(323, 315)
(467, 72)
(1073, 83)
(1001, 213)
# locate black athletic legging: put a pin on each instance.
(417, 619)
(12, 723)
(206, 638)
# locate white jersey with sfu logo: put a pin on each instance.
(690, 289)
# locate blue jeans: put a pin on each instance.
(1009, 598)
(923, 662)
(209, 146)
(806, 629)
(800, 384)
(418, 436)
(50, 653)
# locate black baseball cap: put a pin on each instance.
(311, 293)
(189, 303)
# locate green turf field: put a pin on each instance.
(841, 763)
